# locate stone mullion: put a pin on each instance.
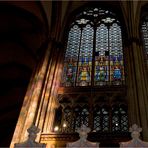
(90, 109)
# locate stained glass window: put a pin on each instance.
(101, 119)
(94, 54)
(116, 55)
(145, 38)
(71, 56)
(101, 56)
(85, 57)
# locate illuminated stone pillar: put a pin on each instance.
(31, 100)
(49, 101)
(40, 100)
(41, 97)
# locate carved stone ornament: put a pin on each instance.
(83, 142)
(30, 142)
(135, 142)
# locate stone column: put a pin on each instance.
(137, 78)
(31, 100)
(43, 85)
(49, 101)
(137, 89)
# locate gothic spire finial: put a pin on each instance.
(135, 131)
(83, 131)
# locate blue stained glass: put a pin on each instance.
(101, 55)
(117, 73)
(116, 58)
(100, 73)
(70, 73)
(85, 59)
(71, 57)
(119, 58)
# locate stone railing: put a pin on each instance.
(83, 142)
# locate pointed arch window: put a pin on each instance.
(67, 122)
(94, 54)
(81, 116)
(119, 118)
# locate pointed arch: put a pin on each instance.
(94, 53)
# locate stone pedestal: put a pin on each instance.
(135, 142)
(83, 142)
(30, 142)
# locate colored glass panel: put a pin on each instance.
(102, 48)
(116, 55)
(145, 38)
(85, 57)
(101, 56)
(71, 56)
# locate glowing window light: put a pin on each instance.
(56, 128)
